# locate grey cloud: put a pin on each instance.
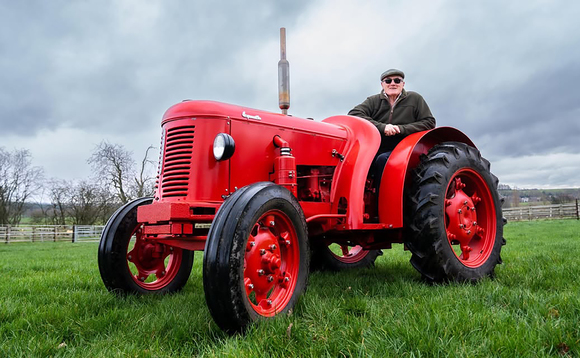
(505, 73)
(77, 64)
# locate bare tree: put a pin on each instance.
(60, 194)
(85, 203)
(144, 182)
(19, 180)
(114, 166)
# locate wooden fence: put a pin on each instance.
(40, 233)
(78, 233)
(560, 211)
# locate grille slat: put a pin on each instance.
(177, 154)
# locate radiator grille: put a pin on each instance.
(177, 161)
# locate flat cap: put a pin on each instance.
(392, 72)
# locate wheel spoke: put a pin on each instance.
(142, 275)
(131, 255)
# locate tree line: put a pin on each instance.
(117, 179)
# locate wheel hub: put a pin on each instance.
(266, 277)
(148, 259)
(262, 261)
(462, 215)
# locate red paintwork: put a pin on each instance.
(470, 217)
(285, 172)
(148, 260)
(350, 254)
(405, 158)
(271, 263)
(364, 141)
(329, 160)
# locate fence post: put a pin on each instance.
(8, 234)
(577, 213)
(74, 238)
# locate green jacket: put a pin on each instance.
(410, 113)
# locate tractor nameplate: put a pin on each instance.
(249, 116)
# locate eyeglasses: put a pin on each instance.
(389, 80)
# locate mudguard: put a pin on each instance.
(363, 142)
(403, 159)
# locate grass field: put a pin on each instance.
(53, 303)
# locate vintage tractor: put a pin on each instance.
(267, 195)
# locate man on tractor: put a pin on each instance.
(396, 113)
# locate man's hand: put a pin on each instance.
(392, 130)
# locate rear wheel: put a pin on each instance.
(456, 225)
(256, 256)
(338, 257)
(128, 263)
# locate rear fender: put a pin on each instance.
(402, 161)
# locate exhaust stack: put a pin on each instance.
(283, 75)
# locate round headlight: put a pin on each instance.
(223, 146)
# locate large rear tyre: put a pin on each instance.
(130, 264)
(456, 225)
(256, 258)
(338, 257)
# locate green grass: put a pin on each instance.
(53, 303)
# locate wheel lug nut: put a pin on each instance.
(272, 247)
(261, 272)
(142, 279)
(465, 202)
(475, 223)
(287, 242)
(461, 226)
(468, 232)
(272, 223)
(286, 279)
(459, 211)
(270, 278)
(262, 252)
(251, 286)
(130, 257)
(269, 302)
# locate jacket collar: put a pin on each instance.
(402, 95)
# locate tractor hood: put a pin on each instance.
(198, 108)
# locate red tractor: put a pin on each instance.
(266, 196)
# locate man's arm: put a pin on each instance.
(425, 119)
(365, 110)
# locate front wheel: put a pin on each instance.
(455, 217)
(256, 258)
(128, 263)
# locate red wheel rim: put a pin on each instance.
(152, 265)
(271, 263)
(347, 254)
(470, 218)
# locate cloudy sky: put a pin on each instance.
(74, 73)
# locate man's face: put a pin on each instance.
(393, 88)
